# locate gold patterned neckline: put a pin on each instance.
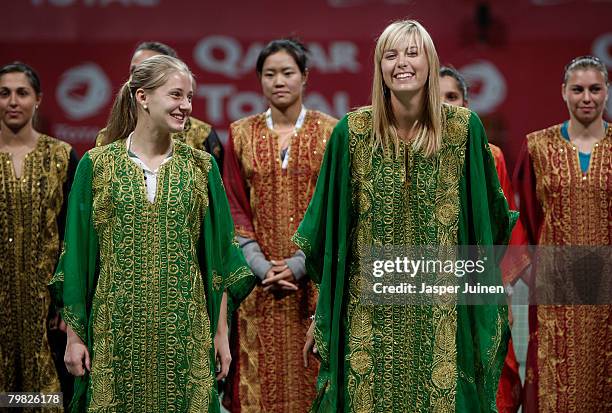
(130, 154)
(39, 142)
(8, 156)
(607, 136)
(573, 148)
(125, 153)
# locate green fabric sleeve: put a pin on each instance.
(73, 285)
(224, 266)
(323, 236)
(482, 330)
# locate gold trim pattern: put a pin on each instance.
(152, 343)
(302, 243)
(237, 275)
(573, 350)
(29, 247)
(404, 200)
(195, 133)
(271, 329)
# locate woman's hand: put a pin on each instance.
(309, 344)
(279, 277)
(76, 356)
(223, 356)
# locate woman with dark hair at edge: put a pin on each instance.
(149, 267)
(564, 179)
(454, 91)
(196, 133)
(406, 171)
(36, 172)
(271, 167)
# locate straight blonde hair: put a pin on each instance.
(429, 128)
(148, 75)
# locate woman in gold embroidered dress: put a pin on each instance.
(271, 166)
(564, 177)
(35, 175)
(149, 266)
(407, 171)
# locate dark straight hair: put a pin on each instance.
(158, 47)
(19, 67)
(454, 73)
(294, 47)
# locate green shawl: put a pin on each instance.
(331, 224)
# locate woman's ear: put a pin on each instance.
(141, 98)
(563, 92)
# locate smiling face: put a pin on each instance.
(281, 80)
(169, 105)
(585, 94)
(450, 92)
(404, 67)
(18, 100)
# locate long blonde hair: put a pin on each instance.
(429, 127)
(148, 75)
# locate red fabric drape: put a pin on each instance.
(514, 263)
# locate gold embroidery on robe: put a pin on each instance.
(272, 377)
(385, 351)
(29, 248)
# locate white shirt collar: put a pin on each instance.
(298, 123)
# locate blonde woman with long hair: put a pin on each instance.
(406, 171)
(149, 267)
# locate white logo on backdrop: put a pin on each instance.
(492, 86)
(601, 48)
(225, 55)
(229, 60)
(241, 104)
(90, 78)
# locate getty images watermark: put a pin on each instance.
(483, 275)
(411, 267)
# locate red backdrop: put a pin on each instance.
(513, 52)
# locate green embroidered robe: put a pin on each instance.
(436, 358)
(141, 283)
